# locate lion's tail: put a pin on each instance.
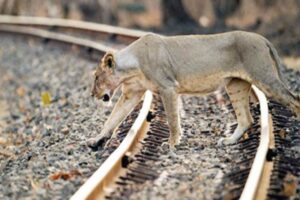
(276, 58)
(278, 63)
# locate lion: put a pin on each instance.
(191, 64)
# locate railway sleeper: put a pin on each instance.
(157, 142)
(151, 149)
(142, 177)
(163, 132)
(146, 157)
(141, 174)
(143, 170)
(158, 134)
(132, 179)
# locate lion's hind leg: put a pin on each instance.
(238, 91)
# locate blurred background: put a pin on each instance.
(278, 20)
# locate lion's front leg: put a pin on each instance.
(170, 101)
(122, 108)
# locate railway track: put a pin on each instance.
(263, 163)
(72, 32)
(155, 137)
(87, 30)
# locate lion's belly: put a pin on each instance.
(207, 73)
(201, 85)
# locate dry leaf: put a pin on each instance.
(21, 91)
(282, 134)
(289, 185)
(245, 136)
(34, 184)
(7, 153)
(46, 98)
(65, 175)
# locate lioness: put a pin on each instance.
(193, 64)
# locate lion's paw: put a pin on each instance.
(226, 141)
(95, 143)
(168, 149)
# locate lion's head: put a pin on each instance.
(106, 80)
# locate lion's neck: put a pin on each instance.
(126, 64)
(129, 76)
(126, 60)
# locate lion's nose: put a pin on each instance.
(106, 97)
(92, 94)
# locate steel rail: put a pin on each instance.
(56, 36)
(73, 24)
(96, 186)
(252, 182)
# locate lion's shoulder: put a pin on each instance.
(150, 38)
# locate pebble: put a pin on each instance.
(65, 130)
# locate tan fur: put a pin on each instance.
(195, 64)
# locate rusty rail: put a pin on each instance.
(55, 36)
(73, 24)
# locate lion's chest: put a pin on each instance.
(141, 83)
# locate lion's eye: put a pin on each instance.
(109, 63)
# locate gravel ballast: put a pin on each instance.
(49, 157)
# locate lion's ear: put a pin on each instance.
(109, 60)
